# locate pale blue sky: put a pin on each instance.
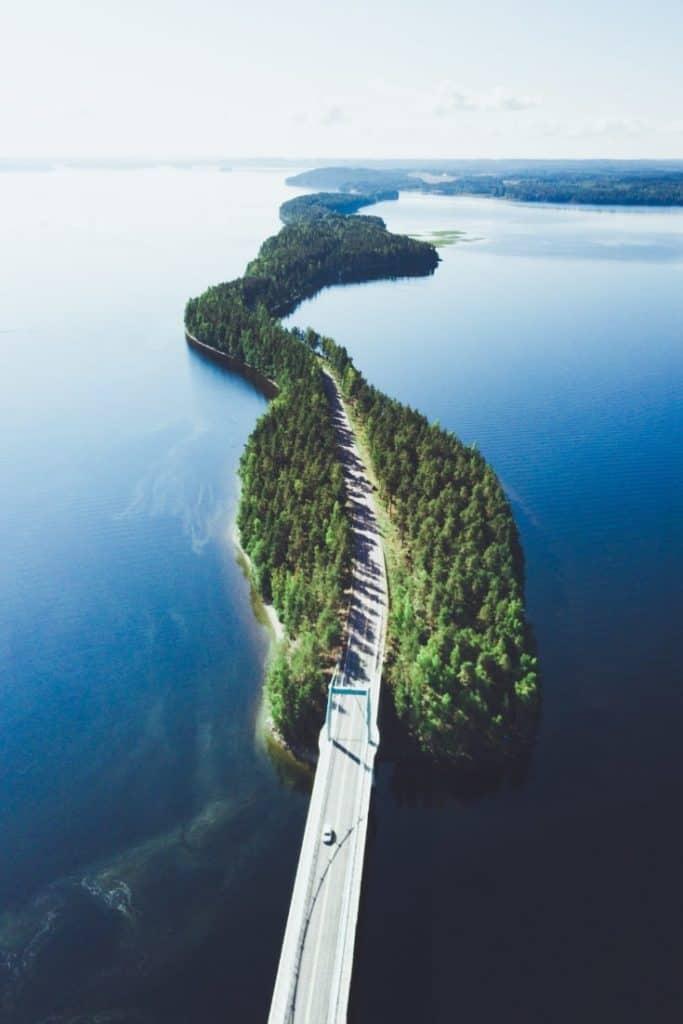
(441, 78)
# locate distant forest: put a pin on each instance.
(322, 203)
(618, 183)
(461, 665)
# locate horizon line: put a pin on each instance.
(275, 159)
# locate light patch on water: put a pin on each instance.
(207, 774)
(24, 962)
(173, 487)
(179, 621)
(119, 897)
(516, 499)
(158, 899)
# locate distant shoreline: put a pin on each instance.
(589, 183)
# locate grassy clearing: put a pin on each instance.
(445, 236)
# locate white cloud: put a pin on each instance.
(596, 127)
(599, 126)
(451, 99)
(329, 115)
(334, 114)
(447, 98)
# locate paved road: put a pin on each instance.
(314, 975)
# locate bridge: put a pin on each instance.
(314, 973)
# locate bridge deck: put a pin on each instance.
(314, 973)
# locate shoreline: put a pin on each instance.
(272, 620)
(266, 730)
(269, 387)
(267, 733)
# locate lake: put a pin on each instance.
(145, 833)
(148, 839)
(551, 337)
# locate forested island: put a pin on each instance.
(613, 183)
(460, 667)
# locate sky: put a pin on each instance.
(440, 78)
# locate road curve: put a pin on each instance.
(314, 973)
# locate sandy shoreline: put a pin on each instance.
(265, 727)
(269, 611)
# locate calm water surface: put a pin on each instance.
(147, 842)
(551, 338)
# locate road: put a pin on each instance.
(314, 974)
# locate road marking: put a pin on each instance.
(328, 883)
(322, 958)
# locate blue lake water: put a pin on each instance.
(139, 817)
(551, 337)
(148, 842)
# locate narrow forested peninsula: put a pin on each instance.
(460, 666)
(320, 203)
